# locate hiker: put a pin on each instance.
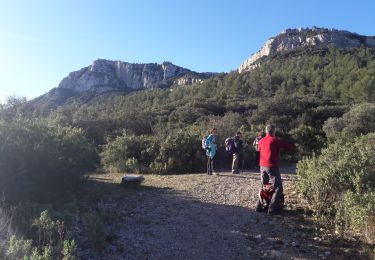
(255, 145)
(237, 149)
(269, 148)
(211, 148)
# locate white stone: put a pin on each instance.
(132, 180)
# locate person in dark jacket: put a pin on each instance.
(255, 145)
(269, 148)
(238, 146)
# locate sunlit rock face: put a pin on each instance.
(291, 39)
(107, 75)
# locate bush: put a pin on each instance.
(340, 184)
(177, 152)
(180, 152)
(18, 248)
(359, 120)
(226, 125)
(50, 242)
(307, 140)
(37, 159)
(357, 211)
(129, 153)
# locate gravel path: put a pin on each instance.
(208, 217)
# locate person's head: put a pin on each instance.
(270, 129)
(214, 131)
(260, 133)
(239, 133)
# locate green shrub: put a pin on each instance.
(50, 241)
(132, 164)
(226, 125)
(45, 254)
(18, 248)
(5, 228)
(69, 249)
(340, 183)
(37, 159)
(359, 120)
(307, 140)
(177, 152)
(129, 153)
(357, 211)
(180, 152)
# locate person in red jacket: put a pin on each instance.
(269, 148)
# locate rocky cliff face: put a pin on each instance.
(105, 75)
(298, 38)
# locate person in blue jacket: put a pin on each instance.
(211, 149)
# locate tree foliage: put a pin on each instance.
(340, 184)
(359, 120)
(38, 159)
(296, 90)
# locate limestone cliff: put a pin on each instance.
(106, 75)
(291, 39)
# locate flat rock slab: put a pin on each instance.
(132, 180)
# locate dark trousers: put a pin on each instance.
(210, 165)
(272, 176)
(256, 159)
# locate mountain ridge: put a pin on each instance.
(107, 75)
(291, 39)
(121, 78)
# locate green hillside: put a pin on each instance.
(321, 100)
(298, 91)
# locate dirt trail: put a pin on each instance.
(207, 217)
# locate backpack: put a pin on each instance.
(229, 145)
(204, 142)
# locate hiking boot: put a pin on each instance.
(215, 173)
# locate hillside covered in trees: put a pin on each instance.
(298, 91)
(320, 99)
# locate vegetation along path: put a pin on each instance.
(198, 216)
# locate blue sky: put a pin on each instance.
(41, 41)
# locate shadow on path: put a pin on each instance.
(161, 222)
